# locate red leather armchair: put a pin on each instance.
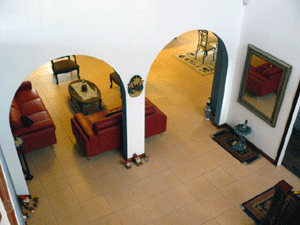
(264, 79)
(28, 103)
(101, 132)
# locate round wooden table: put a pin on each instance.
(80, 97)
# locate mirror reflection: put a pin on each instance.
(263, 84)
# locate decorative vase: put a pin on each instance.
(208, 110)
(83, 86)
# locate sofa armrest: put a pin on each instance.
(84, 124)
(34, 128)
(25, 85)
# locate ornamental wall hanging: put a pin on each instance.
(135, 86)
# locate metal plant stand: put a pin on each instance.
(19, 146)
(208, 109)
(242, 130)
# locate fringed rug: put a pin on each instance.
(197, 64)
(257, 207)
(226, 138)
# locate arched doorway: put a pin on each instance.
(65, 165)
(181, 91)
(170, 76)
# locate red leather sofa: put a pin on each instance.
(102, 131)
(28, 103)
(264, 79)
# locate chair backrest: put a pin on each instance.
(204, 38)
(207, 39)
(66, 56)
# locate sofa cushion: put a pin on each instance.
(40, 116)
(25, 85)
(84, 124)
(105, 123)
(113, 113)
(15, 105)
(35, 129)
(32, 107)
(150, 110)
(15, 118)
(149, 107)
(272, 70)
(26, 96)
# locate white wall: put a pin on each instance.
(4, 219)
(128, 35)
(274, 27)
(11, 194)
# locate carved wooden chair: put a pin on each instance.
(63, 65)
(205, 44)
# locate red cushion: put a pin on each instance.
(32, 107)
(109, 122)
(272, 70)
(40, 116)
(149, 107)
(25, 85)
(150, 110)
(26, 96)
(84, 124)
(15, 118)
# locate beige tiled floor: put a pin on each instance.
(189, 179)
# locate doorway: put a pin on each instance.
(168, 71)
(181, 93)
(291, 158)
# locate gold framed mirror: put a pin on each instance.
(263, 84)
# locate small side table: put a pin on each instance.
(19, 146)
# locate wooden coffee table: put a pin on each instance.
(92, 94)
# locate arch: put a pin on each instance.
(65, 80)
(220, 73)
(218, 88)
(124, 118)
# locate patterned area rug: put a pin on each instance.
(226, 138)
(204, 69)
(257, 207)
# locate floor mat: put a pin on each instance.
(226, 138)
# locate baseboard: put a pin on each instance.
(225, 125)
(261, 152)
(252, 145)
(219, 126)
